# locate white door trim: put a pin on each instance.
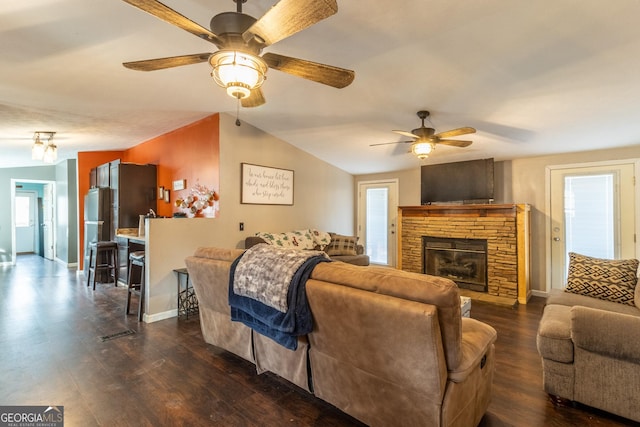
(393, 184)
(13, 183)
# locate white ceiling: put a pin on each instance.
(533, 77)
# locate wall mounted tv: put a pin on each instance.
(462, 182)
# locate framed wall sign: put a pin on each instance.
(262, 185)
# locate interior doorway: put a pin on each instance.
(377, 217)
(592, 212)
(27, 216)
(33, 218)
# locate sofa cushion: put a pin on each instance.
(341, 245)
(611, 280)
(298, 239)
(610, 334)
(560, 297)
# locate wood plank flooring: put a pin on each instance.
(165, 375)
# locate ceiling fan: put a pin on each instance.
(425, 139)
(240, 38)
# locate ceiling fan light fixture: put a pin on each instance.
(238, 72)
(422, 149)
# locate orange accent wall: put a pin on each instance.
(191, 152)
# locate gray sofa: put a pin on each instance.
(388, 347)
(590, 351)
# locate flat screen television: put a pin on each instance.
(463, 182)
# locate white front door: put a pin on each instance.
(25, 215)
(377, 216)
(592, 213)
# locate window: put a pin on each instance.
(23, 211)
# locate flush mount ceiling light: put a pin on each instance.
(39, 151)
(238, 72)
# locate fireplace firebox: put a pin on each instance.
(462, 260)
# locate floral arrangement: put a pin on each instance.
(199, 201)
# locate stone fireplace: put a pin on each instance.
(462, 260)
(504, 228)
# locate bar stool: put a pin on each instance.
(103, 257)
(136, 286)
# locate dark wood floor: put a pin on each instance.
(165, 375)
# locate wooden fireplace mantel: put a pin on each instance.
(461, 210)
(505, 226)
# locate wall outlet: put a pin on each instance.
(242, 226)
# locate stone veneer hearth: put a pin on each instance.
(505, 227)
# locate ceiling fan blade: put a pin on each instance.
(287, 17)
(455, 132)
(454, 142)
(169, 15)
(389, 143)
(320, 73)
(162, 63)
(404, 133)
(255, 99)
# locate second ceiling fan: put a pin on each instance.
(240, 38)
(425, 138)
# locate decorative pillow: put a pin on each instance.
(606, 279)
(341, 245)
(299, 239)
(321, 238)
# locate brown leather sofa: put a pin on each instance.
(388, 347)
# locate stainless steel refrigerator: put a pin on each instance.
(97, 220)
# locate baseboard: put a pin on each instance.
(66, 264)
(160, 316)
(536, 293)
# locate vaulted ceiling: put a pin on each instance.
(533, 77)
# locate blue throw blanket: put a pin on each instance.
(259, 307)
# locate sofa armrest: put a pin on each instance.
(605, 332)
(477, 338)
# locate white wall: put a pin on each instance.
(169, 242)
(324, 196)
